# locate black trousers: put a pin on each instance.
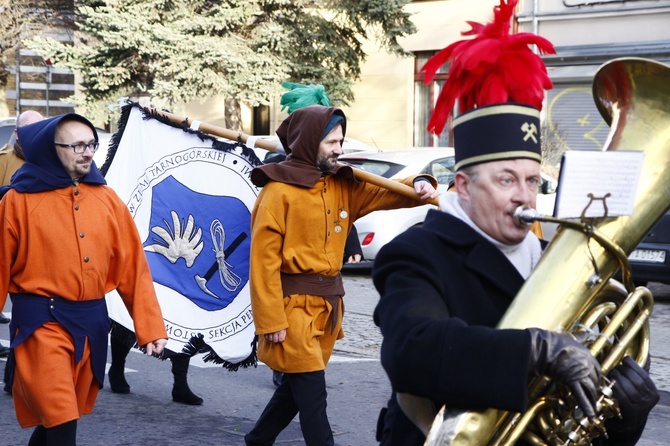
(299, 393)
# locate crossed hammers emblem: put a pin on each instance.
(531, 131)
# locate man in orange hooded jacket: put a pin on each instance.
(67, 240)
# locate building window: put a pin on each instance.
(424, 104)
(573, 120)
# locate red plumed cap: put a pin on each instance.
(494, 67)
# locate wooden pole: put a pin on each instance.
(391, 185)
(361, 175)
(215, 130)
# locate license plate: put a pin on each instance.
(647, 256)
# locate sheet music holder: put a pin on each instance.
(597, 179)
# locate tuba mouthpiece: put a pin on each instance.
(525, 215)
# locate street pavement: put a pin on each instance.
(356, 383)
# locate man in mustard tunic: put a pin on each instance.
(299, 229)
(67, 240)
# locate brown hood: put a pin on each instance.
(300, 134)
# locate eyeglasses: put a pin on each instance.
(81, 147)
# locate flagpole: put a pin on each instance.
(232, 135)
(394, 186)
(214, 130)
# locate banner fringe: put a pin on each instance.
(197, 345)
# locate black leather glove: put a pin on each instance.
(636, 394)
(563, 358)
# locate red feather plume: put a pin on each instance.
(492, 68)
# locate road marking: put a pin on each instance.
(125, 369)
(197, 361)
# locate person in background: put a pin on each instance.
(121, 344)
(67, 240)
(299, 227)
(11, 155)
(353, 252)
(445, 285)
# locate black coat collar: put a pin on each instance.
(480, 255)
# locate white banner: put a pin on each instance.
(191, 198)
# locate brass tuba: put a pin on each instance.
(571, 287)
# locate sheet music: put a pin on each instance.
(598, 173)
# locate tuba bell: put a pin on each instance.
(571, 288)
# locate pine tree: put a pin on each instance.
(174, 51)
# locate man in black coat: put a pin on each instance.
(445, 285)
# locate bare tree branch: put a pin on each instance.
(22, 19)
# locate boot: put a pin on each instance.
(117, 379)
(181, 393)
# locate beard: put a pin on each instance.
(83, 168)
(326, 163)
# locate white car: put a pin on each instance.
(380, 227)
(7, 126)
